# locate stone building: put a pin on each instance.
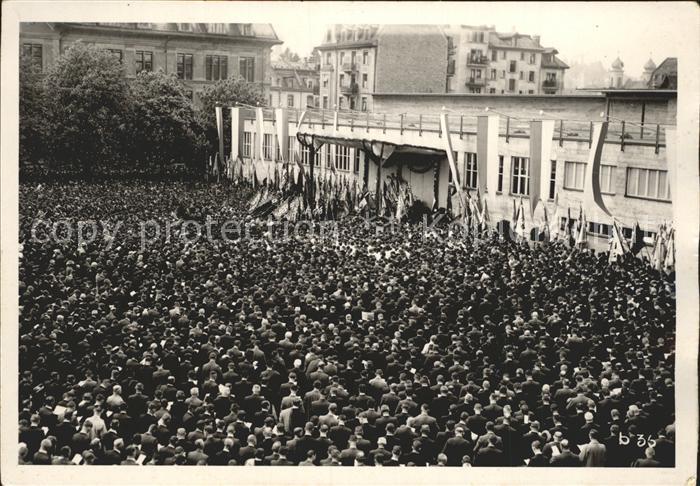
(199, 54)
(294, 85)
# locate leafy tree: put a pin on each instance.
(32, 121)
(289, 56)
(165, 127)
(87, 102)
(227, 92)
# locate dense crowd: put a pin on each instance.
(372, 348)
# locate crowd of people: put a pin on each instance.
(374, 348)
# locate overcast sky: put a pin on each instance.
(580, 31)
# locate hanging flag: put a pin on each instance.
(514, 219)
(541, 132)
(487, 153)
(282, 126)
(451, 155)
(220, 130)
(554, 222)
(637, 239)
(544, 234)
(568, 230)
(592, 194)
(486, 217)
(259, 123)
(671, 161)
(236, 132)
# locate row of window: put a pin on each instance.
(339, 154)
(350, 103)
(216, 67)
(606, 230)
(645, 183)
(353, 57)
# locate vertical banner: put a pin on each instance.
(487, 153)
(259, 126)
(236, 129)
(282, 125)
(541, 133)
(220, 130)
(450, 157)
(591, 192)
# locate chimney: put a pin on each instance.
(536, 38)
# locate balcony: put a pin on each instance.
(550, 83)
(327, 67)
(477, 60)
(348, 67)
(316, 90)
(349, 89)
(476, 82)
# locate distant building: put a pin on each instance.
(294, 85)
(199, 54)
(359, 60)
(483, 61)
(666, 75)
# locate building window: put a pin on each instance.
(503, 74)
(291, 146)
(364, 103)
(353, 57)
(531, 76)
(574, 174)
(33, 54)
(494, 74)
(342, 157)
(328, 149)
(470, 171)
(328, 59)
(365, 57)
(552, 179)
(521, 177)
(607, 179)
(600, 229)
(305, 155)
(648, 183)
(522, 56)
(325, 81)
(521, 75)
(342, 57)
(503, 54)
(144, 61)
(492, 90)
(117, 53)
(494, 55)
(309, 101)
(247, 143)
(290, 101)
(533, 57)
(511, 85)
(530, 91)
(513, 66)
(325, 102)
(500, 173)
(364, 80)
(356, 164)
(246, 68)
(246, 29)
(267, 146)
(184, 66)
(216, 67)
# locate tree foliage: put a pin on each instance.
(289, 56)
(87, 104)
(165, 126)
(32, 126)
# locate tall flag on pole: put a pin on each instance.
(670, 260)
(582, 236)
(487, 153)
(541, 133)
(451, 157)
(220, 130)
(592, 194)
(520, 228)
(618, 245)
(568, 233)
